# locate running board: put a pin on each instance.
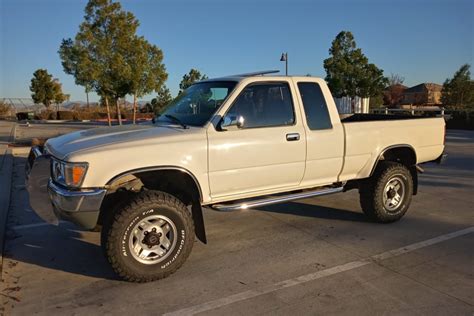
(275, 199)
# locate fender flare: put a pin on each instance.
(196, 208)
(387, 149)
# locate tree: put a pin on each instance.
(76, 62)
(393, 94)
(458, 92)
(376, 101)
(59, 96)
(148, 72)
(349, 72)
(162, 100)
(99, 54)
(46, 90)
(191, 77)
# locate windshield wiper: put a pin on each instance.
(176, 120)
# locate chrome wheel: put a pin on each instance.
(153, 239)
(394, 194)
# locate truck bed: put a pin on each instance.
(367, 135)
(359, 117)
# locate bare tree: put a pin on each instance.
(393, 95)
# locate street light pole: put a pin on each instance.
(284, 57)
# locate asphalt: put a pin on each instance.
(315, 256)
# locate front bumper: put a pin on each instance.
(53, 202)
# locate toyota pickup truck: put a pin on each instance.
(226, 144)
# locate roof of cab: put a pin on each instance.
(258, 74)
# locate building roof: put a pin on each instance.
(398, 85)
(422, 87)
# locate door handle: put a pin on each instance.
(292, 137)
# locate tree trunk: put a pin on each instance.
(108, 111)
(119, 116)
(134, 108)
(87, 97)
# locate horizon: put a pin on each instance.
(422, 41)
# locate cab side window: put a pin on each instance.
(264, 105)
(315, 107)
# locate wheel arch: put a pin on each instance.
(174, 180)
(401, 153)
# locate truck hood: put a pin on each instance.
(64, 146)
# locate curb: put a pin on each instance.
(6, 171)
(5, 185)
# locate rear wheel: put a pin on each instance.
(386, 196)
(148, 238)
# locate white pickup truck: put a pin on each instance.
(229, 143)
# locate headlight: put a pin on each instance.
(70, 174)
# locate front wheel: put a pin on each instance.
(148, 238)
(386, 196)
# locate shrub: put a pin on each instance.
(22, 116)
(45, 115)
(65, 115)
(4, 109)
(460, 120)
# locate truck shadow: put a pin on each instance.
(58, 248)
(316, 211)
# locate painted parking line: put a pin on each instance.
(316, 275)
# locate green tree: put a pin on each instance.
(349, 72)
(99, 53)
(191, 77)
(148, 72)
(376, 101)
(458, 92)
(59, 96)
(76, 62)
(162, 100)
(45, 89)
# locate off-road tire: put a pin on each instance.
(372, 192)
(117, 231)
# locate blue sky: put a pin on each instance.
(423, 41)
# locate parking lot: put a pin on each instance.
(314, 256)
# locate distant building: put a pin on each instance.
(422, 94)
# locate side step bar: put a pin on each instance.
(242, 205)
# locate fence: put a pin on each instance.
(348, 105)
(412, 111)
(28, 105)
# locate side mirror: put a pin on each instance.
(232, 122)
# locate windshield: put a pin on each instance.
(196, 105)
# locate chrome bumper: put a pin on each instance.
(53, 202)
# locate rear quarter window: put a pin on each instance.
(315, 107)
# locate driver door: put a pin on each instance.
(265, 150)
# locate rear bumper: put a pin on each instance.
(53, 202)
